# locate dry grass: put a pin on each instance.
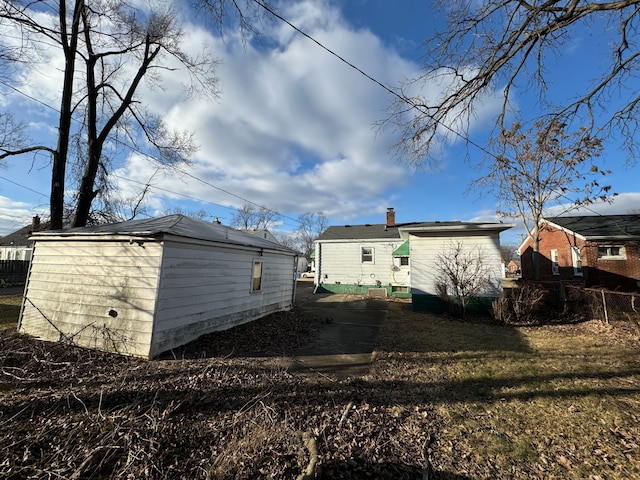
(9, 311)
(550, 402)
(478, 400)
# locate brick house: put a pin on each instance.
(601, 251)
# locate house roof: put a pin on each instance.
(601, 227)
(357, 232)
(178, 225)
(18, 238)
(381, 231)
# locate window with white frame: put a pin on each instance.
(611, 252)
(256, 280)
(577, 261)
(555, 267)
(367, 254)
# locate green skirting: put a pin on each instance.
(426, 303)
(361, 289)
(433, 304)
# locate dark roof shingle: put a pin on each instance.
(377, 231)
(601, 226)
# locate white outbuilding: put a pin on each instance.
(143, 287)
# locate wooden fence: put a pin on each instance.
(13, 272)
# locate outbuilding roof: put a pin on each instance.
(601, 227)
(178, 225)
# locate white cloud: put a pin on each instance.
(294, 128)
(13, 215)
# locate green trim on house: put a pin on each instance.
(402, 251)
(361, 289)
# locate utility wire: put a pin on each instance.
(407, 100)
(422, 108)
(404, 99)
(21, 186)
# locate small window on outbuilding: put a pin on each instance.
(256, 281)
(404, 261)
(367, 254)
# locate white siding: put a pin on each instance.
(424, 251)
(341, 262)
(207, 288)
(73, 287)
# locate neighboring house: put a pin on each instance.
(143, 287)
(514, 267)
(262, 233)
(400, 258)
(591, 250)
(15, 254)
(17, 245)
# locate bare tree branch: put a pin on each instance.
(495, 47)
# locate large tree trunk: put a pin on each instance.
(86, 192)
(58, 172)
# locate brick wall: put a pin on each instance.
(621, 274)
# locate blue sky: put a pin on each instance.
(295, 128)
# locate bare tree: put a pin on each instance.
(110, 47)
(286, 240)
(507, 252)
(310, 226)
(462, 275)
(541, 165)
(251, 217)
(12, 134)
(495, 46)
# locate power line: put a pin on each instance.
(21, 186)
(422, 108)
(402, 98)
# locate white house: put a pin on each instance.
(400, 258)
(17, 246)
(143, 287)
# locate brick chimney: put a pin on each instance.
(391, 217)
(35, 223)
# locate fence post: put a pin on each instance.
(604, 307)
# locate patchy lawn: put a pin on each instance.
(468, 400)
(9, 311)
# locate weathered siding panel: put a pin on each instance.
(208, 288)
(342, 263)
(96, 294)
(424, 251)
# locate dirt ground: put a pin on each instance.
(225, 407)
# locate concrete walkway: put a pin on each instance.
(346, 338)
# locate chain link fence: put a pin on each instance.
(529, 303)
(604, 305)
